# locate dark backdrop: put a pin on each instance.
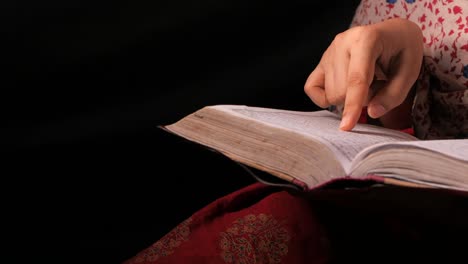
(87, 175)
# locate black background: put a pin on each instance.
(88, 177)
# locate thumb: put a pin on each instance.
(388, 97)
(398, 86)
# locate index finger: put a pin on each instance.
(360, 75)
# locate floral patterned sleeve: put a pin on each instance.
(440, 107)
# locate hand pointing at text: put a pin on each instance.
(347, 68)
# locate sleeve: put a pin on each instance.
(440, 107)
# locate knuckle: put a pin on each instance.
(339, 38)
(358, 30)
(366, 34)
(307, 89)
(356, 79)
(324, 60)
(371, 34)
(335, 98)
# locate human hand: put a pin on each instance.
(347, 68)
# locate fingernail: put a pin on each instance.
(376, 110)
(344, 122)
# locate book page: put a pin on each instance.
(454, 148)
(324, 126)
(437, 163)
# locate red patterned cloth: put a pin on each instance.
(357, 224)
(257, 224)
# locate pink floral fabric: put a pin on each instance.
(440, 108)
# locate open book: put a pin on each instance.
(308, 149)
